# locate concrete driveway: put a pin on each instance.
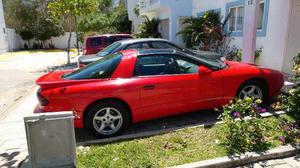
(18, 72)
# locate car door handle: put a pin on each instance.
(149, 87)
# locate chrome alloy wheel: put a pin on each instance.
(251, 91)
(107, 121)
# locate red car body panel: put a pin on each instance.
(171, 95)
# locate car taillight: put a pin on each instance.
(43, 101)
(81, 65)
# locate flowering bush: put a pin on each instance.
(291, 132)
(244, 126)
(296, 67)
(293, 100)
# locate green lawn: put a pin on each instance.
(175, 148)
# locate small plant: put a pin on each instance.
(149, 28)
(51, 46)
(236, 54)
(291, 132)
(244, 126)
(296, 67)
(280, 102)
(293, 100)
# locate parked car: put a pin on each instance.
(147, 43)
(131, 86)
(94, 44)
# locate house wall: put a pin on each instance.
(3, 36)
(273, 38)
(60, 42)
(136, 20)
(293, 40)
(14, 40)
(171, 10)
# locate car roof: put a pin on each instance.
(138, 40)
(108, 35)
(145, 52)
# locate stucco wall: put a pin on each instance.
(3, 36)
(275, 38)
(60, 42)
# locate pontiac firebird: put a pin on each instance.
(137, 85)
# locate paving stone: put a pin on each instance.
(280, 161)
(282, 166)
(293, 161)
(268, 163)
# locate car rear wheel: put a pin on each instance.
(253, 89)
(107, 119)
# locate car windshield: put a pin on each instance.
(100, 69)
(212, 62)
(109, 49)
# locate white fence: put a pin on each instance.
(15, 41)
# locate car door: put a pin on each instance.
(170, 84)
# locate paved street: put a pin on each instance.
(18, 72)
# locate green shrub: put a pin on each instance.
(243, 134)
(296, 67)
(293, 100)
(290, 131)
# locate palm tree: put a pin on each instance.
(149, 28)
(206, 31)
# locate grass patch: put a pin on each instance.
(175, 148)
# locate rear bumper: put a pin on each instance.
(77, 120)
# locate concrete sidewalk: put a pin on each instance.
(291, 162)
(13, 145)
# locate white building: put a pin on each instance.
(278, 25)
(3, 36)
(171, 14)
(278, 28)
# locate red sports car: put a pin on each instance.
(136, 85)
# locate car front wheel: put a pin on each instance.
(253, 89)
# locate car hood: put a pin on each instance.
(206, 54)
(86, 59)
(235, 64)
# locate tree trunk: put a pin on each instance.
(77, 40)
(68, 49)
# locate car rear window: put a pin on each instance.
(95, 41)
(111, 39)
(101, 69)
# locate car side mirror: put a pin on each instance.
(202, 70)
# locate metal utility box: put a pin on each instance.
(51, 139)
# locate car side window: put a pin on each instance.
(155, 65)
(96, 41)
(109, 40)
(162, 45)
(186, 66)
(138, 46)
(164, 65)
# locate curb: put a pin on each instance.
(250, 157)
(159, 132)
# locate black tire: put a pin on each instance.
(124, 111)
(258, 84)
